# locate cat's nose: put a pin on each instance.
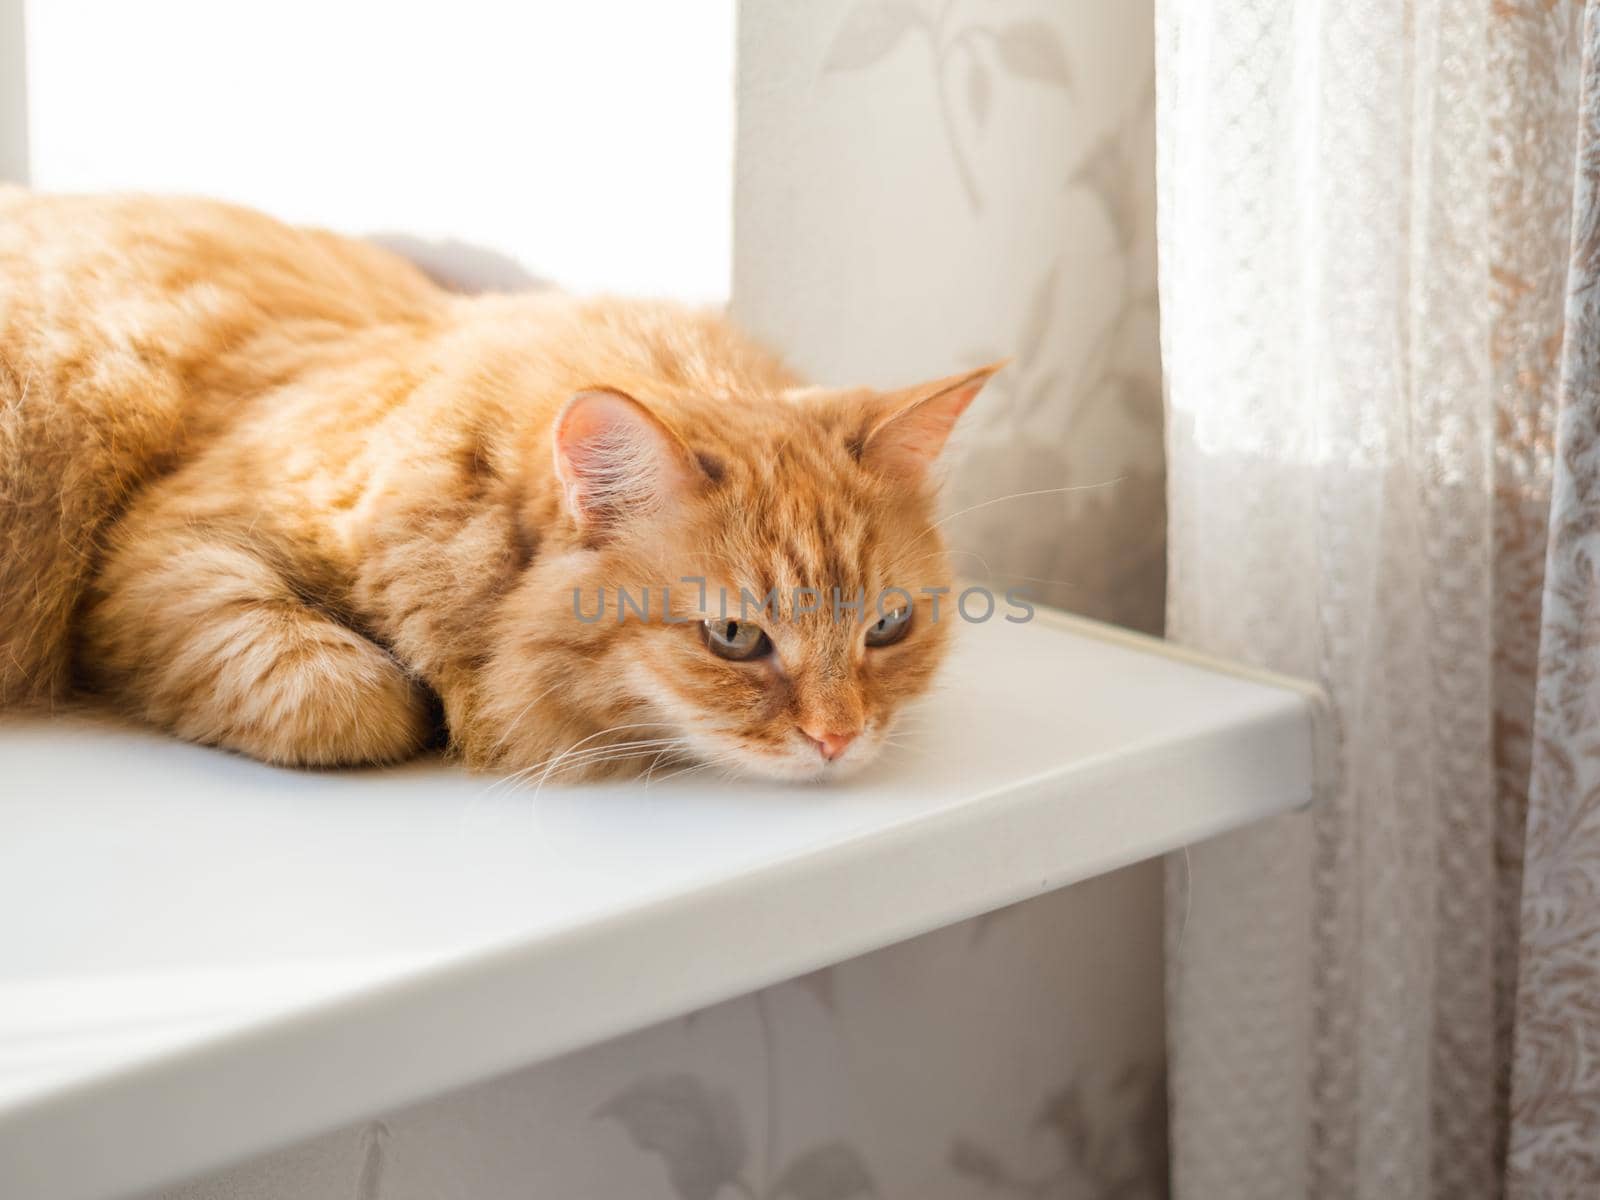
(830, 744)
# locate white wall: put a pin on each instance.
(13, 94)
(591, 143)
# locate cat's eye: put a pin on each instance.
(889, 628)
(737, 640)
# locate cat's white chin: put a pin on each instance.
(787, 771)
(799, 763)
(802, 764)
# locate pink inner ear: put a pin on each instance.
(922, 432)
(614, 458)
(913, 435)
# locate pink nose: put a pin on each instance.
(829, 745)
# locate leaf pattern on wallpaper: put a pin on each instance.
(1114, 171)
(1029, 51)
(1112, 565)
(1032, 381)
(374, 1142)
(820, 984)
(869, 32)
(980, 91)
(699, 1132)
(832, 1171)
(1041, 312)
(1028, 381)
(975, 1162)
(696, 1129)
(1110, 1138)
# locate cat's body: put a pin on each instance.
(274, 490)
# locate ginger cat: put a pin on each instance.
(273, 490)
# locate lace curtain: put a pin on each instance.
(1380, 251)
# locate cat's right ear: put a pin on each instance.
(910, 431)
(615, 461)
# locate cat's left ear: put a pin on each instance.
(912, 425)
(616, 461)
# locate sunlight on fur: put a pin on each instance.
(272, 490)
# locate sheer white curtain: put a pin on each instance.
(1372, 333)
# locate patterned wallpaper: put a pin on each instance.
(1006, 1057)
(926, 187)
(921, 187)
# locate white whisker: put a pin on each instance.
(689, 770)
(570, 759)
(1082, 487)
(577, 758)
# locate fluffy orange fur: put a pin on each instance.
(273, 490)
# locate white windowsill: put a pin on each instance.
(202, 958)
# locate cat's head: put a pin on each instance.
(758, 583)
